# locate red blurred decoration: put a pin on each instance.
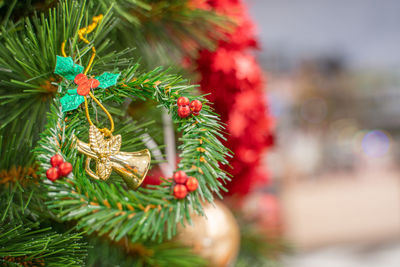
(180, 177)
(52, 174)
(154, 176)
(56, 160)
(264, 208)
(236, 83)
(192, 184)
(65, 168)
(180, 191)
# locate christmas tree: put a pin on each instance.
(82, 93)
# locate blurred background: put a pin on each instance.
(333, 89)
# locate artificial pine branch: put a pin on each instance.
(26, 242)
(125, 253)
(28, 245)
(28, 50)
(167, 30)
(98, 207)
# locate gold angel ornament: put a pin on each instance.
(103, 147)
(131, 166)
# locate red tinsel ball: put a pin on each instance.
(65, 168)
(183, 111)
(196, 106)
(183, 101)
(192, 184)
(180, 177)
(56, 160)
(180, 191)
(52, 174)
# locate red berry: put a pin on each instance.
(56, 160)
(192, 184)
(183, 101)
(180, 177)
(52, 174)
(195, 113)
(183, 111)
(80, 78)
(196, 105)
(180, 191)
(65, 168)
(94, 83)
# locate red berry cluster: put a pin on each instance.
(185, 107)
(59, 169)
(184, 184)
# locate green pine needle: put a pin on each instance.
(28, 245)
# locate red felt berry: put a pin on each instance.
(84, 88)
(180, 191)
(94, 83)
(80, 78)
(183, 101)
(196, 106)
(56, 160)
(180, 177)
(184, 111)
(52, 174)
(192, 184)
(65, 168)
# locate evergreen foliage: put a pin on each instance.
(29, 245)
(28, 50)
(102, 253)
(26, 242)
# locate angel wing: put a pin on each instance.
(115, 144)
(103, 169)
(96, 140)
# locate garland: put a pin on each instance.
(109, 207)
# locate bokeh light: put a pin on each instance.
(375, 143)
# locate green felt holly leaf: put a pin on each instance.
(66, 67)
(107, 79)
(71, 100)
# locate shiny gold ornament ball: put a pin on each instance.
(215, 236)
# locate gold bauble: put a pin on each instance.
(215, 236)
